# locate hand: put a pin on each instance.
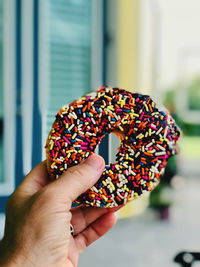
(37, 231)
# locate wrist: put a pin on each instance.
(4, 258)
(5, 255)
(9, 257)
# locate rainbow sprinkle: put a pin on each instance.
(148, 138)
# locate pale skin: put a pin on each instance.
(38, 217)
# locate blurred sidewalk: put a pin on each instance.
(144, 241)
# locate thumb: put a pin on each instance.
(76, 180)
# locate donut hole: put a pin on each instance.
(115, 138)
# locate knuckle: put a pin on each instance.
(43, 197)
(46, 195)
(79, 178)
(79, 172)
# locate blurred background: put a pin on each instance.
(54, 51)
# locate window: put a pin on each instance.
(1, 97)
(68, 64)
(67, 47)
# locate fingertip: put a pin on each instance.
(112, 217)
(108, 220)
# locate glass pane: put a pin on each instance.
(69, 52)
(1, 97)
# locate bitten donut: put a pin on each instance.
(148, 138)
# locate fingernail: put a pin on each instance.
(95, 161)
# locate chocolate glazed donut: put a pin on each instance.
(148, 139)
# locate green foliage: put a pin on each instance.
(194, 94)
(193, 87)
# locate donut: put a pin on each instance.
(148, 138)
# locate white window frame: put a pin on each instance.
(97, 44)
(27, 83)
(97, 47)
(9, 97)
(43, 69)
(2, 224)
